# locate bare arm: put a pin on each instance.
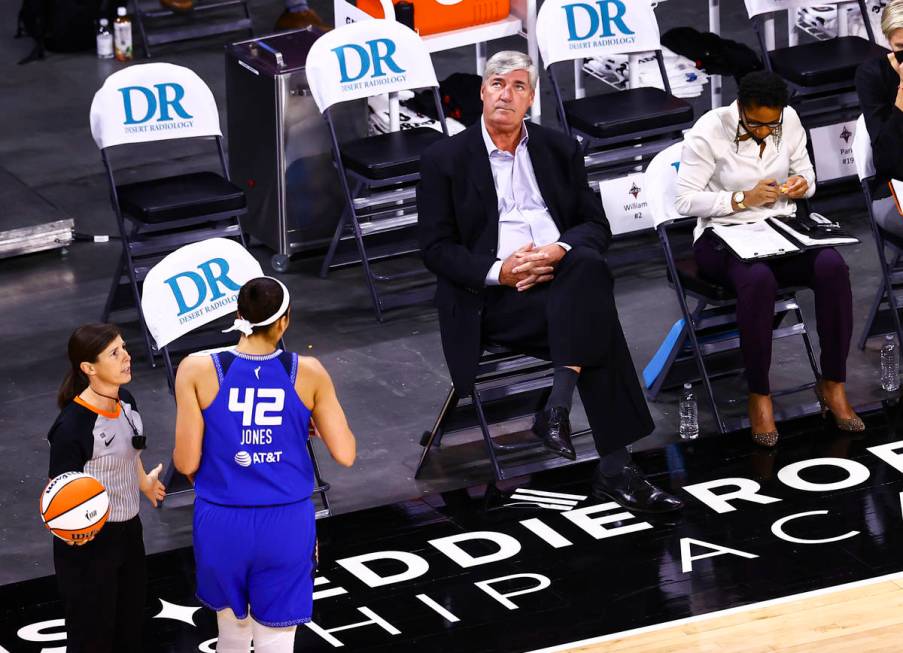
(314, 387)
(189, 419)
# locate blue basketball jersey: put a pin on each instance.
(255, 433)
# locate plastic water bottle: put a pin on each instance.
(689, 424)
(104, 40)
(890, 364)
(122, 35)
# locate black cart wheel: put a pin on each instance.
(280, 262)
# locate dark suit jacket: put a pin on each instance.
(459, 221)
(876, 84)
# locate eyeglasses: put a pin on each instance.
(752, 124)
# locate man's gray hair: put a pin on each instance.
(506, 61)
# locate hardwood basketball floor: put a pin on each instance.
(862, 619)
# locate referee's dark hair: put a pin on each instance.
(258, 299)
(86, 343)
(763, 89)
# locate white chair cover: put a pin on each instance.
(194, 285)
(567, 30)
(757, 7)
(152, 102)
(367, 58)
(661, 181)
(862, 151)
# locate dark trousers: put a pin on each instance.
(103, 584)
(756, 284)
(573, 320)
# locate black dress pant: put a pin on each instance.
(104, 584)
(572, 320)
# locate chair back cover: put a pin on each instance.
(195, 285)
(661, 181)
(152, 102)
(758, 7)
(567, 30)
(371, 57)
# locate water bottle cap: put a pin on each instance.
(688, 386)
(120, 11)
(889, 336)
(104, 22)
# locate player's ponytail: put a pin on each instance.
(85, 344)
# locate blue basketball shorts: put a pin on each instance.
(260, 558)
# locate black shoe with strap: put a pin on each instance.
(631, 490)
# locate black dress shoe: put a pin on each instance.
(553, 427)
(632, 491)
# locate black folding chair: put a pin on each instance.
(155, 102)
(820, 74)
(172, 340)
(377, 173)
(884, 313)
(159, 25)
(620, 131)
(157, 216)
(508, 386)
(708, 344)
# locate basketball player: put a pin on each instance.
(242, 424)
(99, 432)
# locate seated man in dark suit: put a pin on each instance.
(515, 235)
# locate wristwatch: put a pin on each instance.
(738, 198)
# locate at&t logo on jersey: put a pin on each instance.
(246, 459)
(259, 407)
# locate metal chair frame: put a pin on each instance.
(191, 29)
(711, 329)
(502, 375)
(389, 209)
(891, 277)
(144, 244)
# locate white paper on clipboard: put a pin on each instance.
(753, 240)
(896, 189)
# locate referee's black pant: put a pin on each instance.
(572, 320)
(103, 585)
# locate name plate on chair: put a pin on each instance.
(833, 147)
(196, 284)
(626, 205)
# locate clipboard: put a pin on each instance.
(781, 236)
(896, 191)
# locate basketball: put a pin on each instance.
(74, 506)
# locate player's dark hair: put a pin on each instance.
(258, 299)
(763, 89)
(86, 343)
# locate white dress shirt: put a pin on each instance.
(523, 215)
(713, 168)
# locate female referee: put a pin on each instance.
(242, 425)
(99, 432)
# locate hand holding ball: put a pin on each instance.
(74, 507)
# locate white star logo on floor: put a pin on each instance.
(181, 613)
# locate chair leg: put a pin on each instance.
(808, 342)
(322, 486)
(136, 12)
(656, 388)
(334, 244)
(700, 359)
(892, 300)
(365, 263)
(136, 294)
(114, 287)
(873, 313)
(435, 435)
(487, 436)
